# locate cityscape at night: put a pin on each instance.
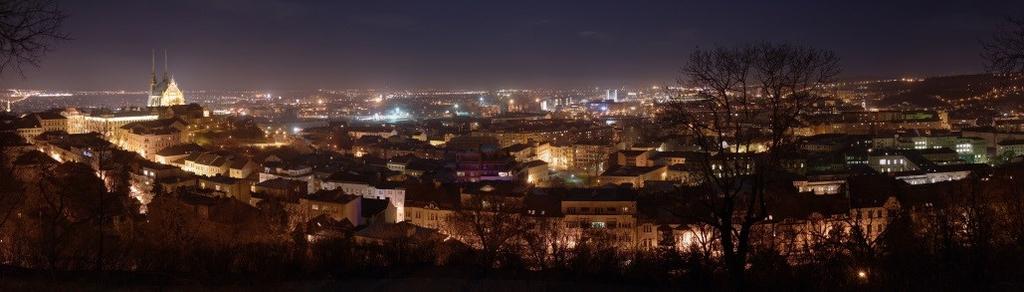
(511, 146)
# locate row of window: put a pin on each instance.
(595, 210)
(432, 216)
(868, 214)
(586, 224)
(885, 161)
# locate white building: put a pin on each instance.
(393, 193)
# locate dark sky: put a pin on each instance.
(284, 44)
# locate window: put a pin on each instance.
(598, 225)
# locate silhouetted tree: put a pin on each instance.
(28, 29)
(1004, 51)
(546, 244)
(11, 190)
(59, 209)
(491, 224)
(745, 95)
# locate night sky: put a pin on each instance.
(281, 44)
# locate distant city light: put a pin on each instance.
(348, 177)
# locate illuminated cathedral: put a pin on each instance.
(165, 92)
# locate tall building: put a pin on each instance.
(165, 92)
(612, 95)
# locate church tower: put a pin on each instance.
(165, 92)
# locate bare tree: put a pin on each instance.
(547, 243)
(11, 190)
(745, 96)
(1004, 51)
(491, 224)
(28, 29)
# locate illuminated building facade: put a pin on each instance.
(584, 158)
(149, 137)
(607, 213)
(104, 123)
(395, 194)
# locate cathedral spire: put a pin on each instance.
(153, 70)
(165, 64)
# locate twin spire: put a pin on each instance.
(166, 91)
(154, 65)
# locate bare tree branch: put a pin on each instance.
(747, 95)
(28, 29)
(1004, 51)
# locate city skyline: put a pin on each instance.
(286, 45)
(479, 146)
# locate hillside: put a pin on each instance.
(987, 92)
